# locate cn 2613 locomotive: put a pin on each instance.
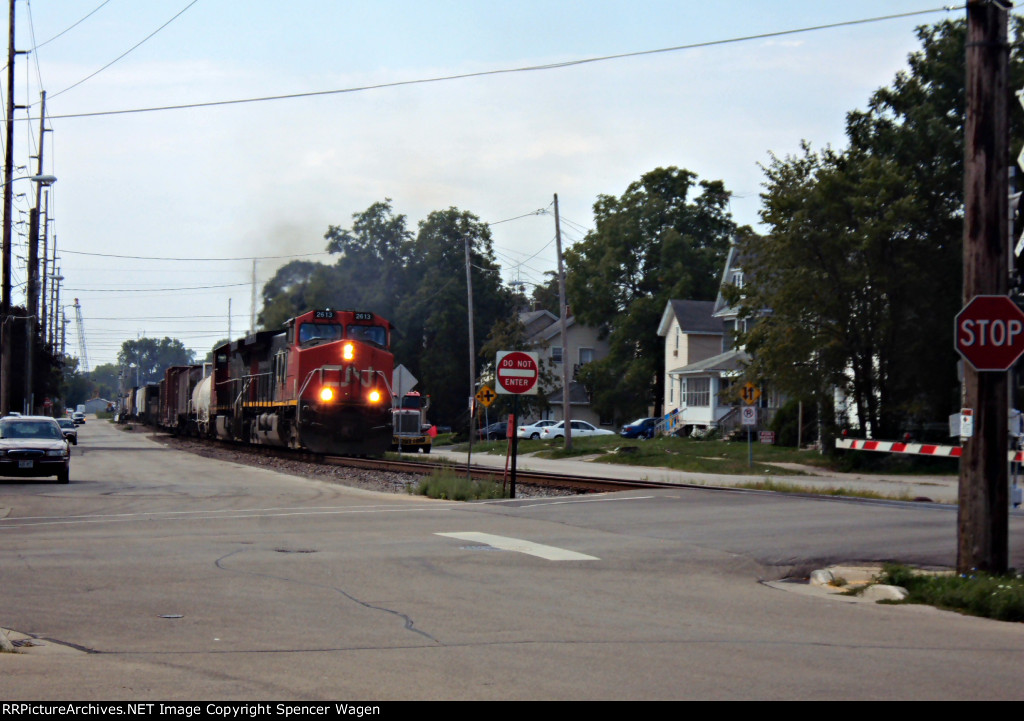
(320, 383)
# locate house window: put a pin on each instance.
(556, 354)
(586, 355)
(737, 279)
(698, 392)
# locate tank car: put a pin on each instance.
(320, 383)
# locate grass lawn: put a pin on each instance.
(681, 454)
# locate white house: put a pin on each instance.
(693, 337)
(698, 381)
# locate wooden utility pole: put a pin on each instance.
(5, 283)
(563, 311)
(32, 286)
(472, 359)
(982, 541)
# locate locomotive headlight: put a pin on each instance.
(326, 394)
(348, 351)
(374, 396)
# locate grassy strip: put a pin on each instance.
(977, 594)
(449, 486)
(782, 487)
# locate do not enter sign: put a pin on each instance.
(990, 332)
(516, 372)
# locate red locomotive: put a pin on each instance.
(320, 383)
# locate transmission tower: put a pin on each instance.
(81, 338)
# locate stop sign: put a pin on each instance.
(990, 332)
(516, 372)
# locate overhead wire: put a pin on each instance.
(193, 260)
(126, 52)
(504, 71)
(73, 25)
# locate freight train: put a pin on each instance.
(320, 383)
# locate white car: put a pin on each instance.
(533, 430)
(580, 429)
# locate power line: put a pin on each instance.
(150, 290)
(72, 26)
(192, 260)
(505, 71)
(126, 52)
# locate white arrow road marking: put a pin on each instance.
(551, 553)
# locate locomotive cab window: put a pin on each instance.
(310, 333)
(372, 334)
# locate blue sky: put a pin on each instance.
(267, 178)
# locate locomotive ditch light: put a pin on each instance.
(326, 394)
(375, 396)
(348, 351)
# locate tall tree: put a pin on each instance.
(377, 247)
(862, 267)
(294, 289)
(666, 237)
(152, 357)
(433, 338)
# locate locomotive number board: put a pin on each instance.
(363, 316)
(323, 314)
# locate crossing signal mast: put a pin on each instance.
(81, 338)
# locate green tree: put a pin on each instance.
(545, 297)
(292, 290)
(433, 338)
(152, 357)
(862, 266)
(75, 385)
(105, 380)
(377, 247)
(666, 237)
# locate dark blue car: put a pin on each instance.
(640, 428)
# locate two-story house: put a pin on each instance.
(697, 385)
(583, 345)
(693, 335)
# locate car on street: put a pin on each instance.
(640, 428)
(493, 432)
(79, 417)
(580, 429)
(33, 446)
(533, 430)
(69, 429)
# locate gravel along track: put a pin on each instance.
(383, 481)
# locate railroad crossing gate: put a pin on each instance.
(990, 332)
(516, 373)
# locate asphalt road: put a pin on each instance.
(158, 574)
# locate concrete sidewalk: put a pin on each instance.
(940, 489)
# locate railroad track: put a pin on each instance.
(585, 484)
(581, 484)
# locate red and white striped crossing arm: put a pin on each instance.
(919, 449)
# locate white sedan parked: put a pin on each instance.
(533, 430)
(580, 429)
